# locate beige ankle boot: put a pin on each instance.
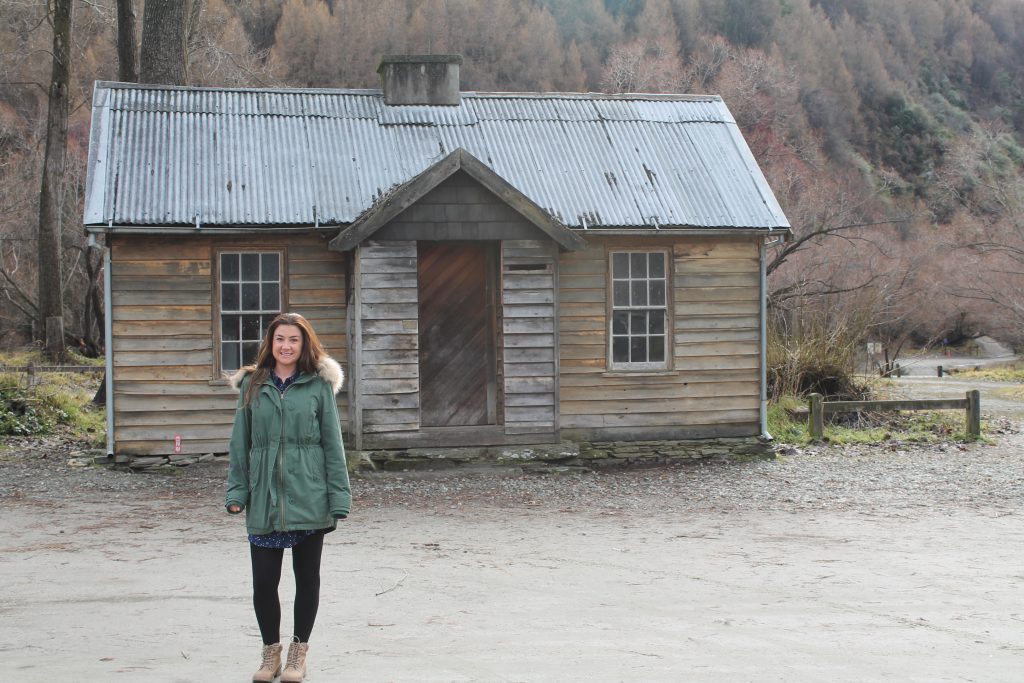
(271, 665)
(295, 667)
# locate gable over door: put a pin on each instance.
(456, 343)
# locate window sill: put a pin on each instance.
(219, 382)
(640, 373)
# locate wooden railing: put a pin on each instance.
(31, 370)
(819, 408)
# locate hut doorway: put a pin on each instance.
(457, 346)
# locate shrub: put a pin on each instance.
(815, 353)
(22, 414)
(61, 402)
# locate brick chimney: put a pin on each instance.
(420, 79)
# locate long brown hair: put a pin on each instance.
(309, 359)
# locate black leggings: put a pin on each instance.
(266, 575)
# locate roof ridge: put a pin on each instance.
(377, 92)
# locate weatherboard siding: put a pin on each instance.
(163, 291)
(712, 387)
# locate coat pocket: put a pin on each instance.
(312, 435)
(257, 457)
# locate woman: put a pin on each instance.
(287, 471)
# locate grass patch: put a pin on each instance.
(1007, 374)
(60, 402)
(784, 423)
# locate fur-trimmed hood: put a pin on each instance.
(328, 369)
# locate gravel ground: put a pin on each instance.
(849, 564)
(887, 478)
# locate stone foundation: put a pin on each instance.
(562, 456)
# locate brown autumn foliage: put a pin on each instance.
(891, 132)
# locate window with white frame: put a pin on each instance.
(250, 297)
(639, 317)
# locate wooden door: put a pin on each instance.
(457, 355)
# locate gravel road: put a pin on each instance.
(892, 562)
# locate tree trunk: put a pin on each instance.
(127, 45)
(93, 328)
(165, 41)
(51, 297)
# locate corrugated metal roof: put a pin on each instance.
(237, 157)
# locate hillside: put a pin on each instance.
(892, 133)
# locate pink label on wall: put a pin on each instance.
(177, 443)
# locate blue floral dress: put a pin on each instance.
(282, 539)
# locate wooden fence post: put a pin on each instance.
(974, 414)
(816, 417)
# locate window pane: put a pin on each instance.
(229, 356)
(271, 271)
(620, 349)
(229, 267)
(620, 322)
(657, 349)
(251, 267)
(638, 288)
(621, 293)
(229, 328)
(228, 297)
(250, 297)
(271, 296)
(638, 349)
(657, 292)
(251, 327)
(638, 265)
(656, 323)
(620, 265)
(249, 351)
(657, 262)
(638, 322)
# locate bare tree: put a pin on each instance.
(165, 32)
(51, 200)
(127, 47)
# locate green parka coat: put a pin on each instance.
(287, 462)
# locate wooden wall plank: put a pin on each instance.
(389, 281)
(169, 283)
(316, 297)
(716, 266)
(710, 417)
(392, 371)
(390, 295)
(381, 342)
(158, 297)
(164, 358)
(184, 419)
(715, 247)
(156, 269)
(391, 401)
(157, 313)
(529, 369)
(156, 344)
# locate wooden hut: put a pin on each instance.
(491, 268)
